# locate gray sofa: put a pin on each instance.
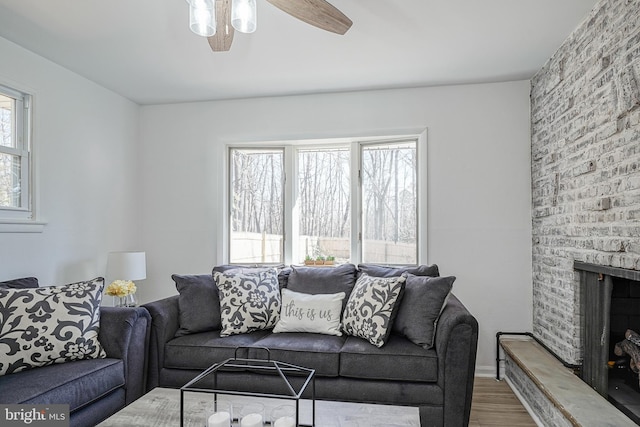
(94, 389)
(185, 340)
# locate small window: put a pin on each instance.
(15, 186)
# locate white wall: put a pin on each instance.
(86, 154)
(479, 183)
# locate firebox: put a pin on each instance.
(610, 326)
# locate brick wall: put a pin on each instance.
(585, 125)
(546, 411)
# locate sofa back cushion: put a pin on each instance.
(376, 270)
(50, 325)
(198, 302)
(321, 280)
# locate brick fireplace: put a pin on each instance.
(585, 180)
(585, 124)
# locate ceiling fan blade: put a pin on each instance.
(222, 39)
(318, 13)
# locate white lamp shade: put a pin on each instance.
(127, 266)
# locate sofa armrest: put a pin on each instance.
(164, 325)
(456, 345)
(124, 334)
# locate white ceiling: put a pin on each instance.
(143, 49)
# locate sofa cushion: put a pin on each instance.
(22, 283)
(75, 383)
(48, 325)
(318, 314)
(372, 307)
(249, 301)
(198, 302)
(398, 360)
(201, 350)
(314, 280)
(377, 270)
(313, 351)
(423, 301)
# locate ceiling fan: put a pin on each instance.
(225, 15)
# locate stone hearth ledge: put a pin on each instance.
(580, 405)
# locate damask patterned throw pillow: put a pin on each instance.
(372, 307)
(249, 300)
(48, 325)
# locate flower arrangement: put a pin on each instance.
(121, 288)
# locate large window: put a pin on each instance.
(15, 201)
(352, 201)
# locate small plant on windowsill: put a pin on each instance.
(308, 260)
(330, 260)
(320, 260)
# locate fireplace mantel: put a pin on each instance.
(609, 271)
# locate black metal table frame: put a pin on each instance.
(256, 365)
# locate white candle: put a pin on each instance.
(251, 420)
(219, 419)
(285, 422)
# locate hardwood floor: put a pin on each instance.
(495, 405)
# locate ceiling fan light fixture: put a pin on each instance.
(202, 17)
(244, 15)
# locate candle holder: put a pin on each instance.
(219, 414)
(250, 414)
(283, 416)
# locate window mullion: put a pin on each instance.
(291, 211)
(356, 205)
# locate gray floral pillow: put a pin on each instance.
(48, 325)
(249, 301)
(372, 307)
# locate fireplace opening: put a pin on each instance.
(624, 347)
(610, 325)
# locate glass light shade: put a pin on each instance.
(202, 17)
(244, 15)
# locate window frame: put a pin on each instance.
(24, 148)
(291, 191)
